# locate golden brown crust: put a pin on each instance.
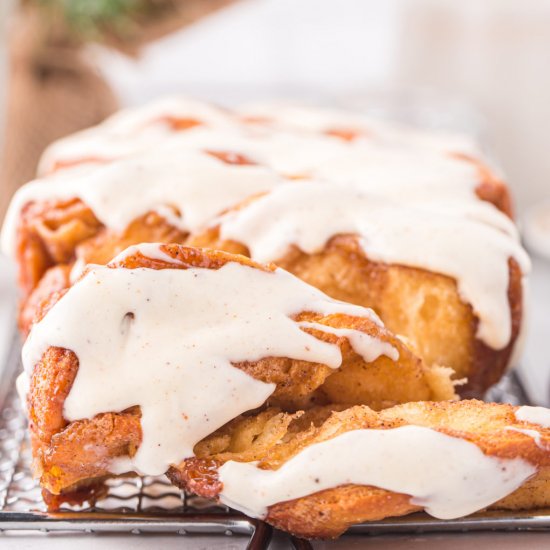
(85, 449)
(51, 382)
(55, 280)
(272, 438)
(50, 232)
(327, 514)
(424, 307)
(62, 449)
(284, 435)
(491, 188)
(65, 454)
(54, 233)
(488, 365)
(106, 244)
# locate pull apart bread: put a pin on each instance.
(165, 172)
(141, 359)
(236, 379)
(273, 386)
(448, 277)
(318, 472)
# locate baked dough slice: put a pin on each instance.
(450, 282)
(88, 398)
(307, 457)
(156, 151)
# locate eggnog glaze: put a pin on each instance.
(131, 130)
(165, 340)
(385, 168)
(533, 434)
(333, 120)
(449, 477)
(446, 238)
(178, 184)
(178, 172)
(534, 415)
(396, 167)
(155, 166)
(136, 129)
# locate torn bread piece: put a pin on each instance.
(448, 277)
(318, 472)
(140, 359)
(157, 172)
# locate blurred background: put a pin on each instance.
(480, 67)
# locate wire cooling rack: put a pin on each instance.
(132, 504)
(152, 504)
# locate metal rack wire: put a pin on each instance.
(152, 504)
(132, 504)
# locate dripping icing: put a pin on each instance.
(121, 191)
(449, 477)
(168, 172)
(535, 415)
(450, 240)
(174, 355)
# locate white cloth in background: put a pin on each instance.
(263, 48)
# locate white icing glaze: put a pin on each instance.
(443, 240)
(449, 477)
(533, 434)
(150, 250)
(368, 347)
(408, 175)
(127, 121)
(521, 339)
(398, 171)
(22, 385)
(535, 415)
(164, 170)
(120, 192)
(130, 131)
(403, 174)
(290, 153)
(136, 129)
(166, 340)
(388, 169)
(322, 119)
(165, 163)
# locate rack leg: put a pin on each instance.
(261, 537)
